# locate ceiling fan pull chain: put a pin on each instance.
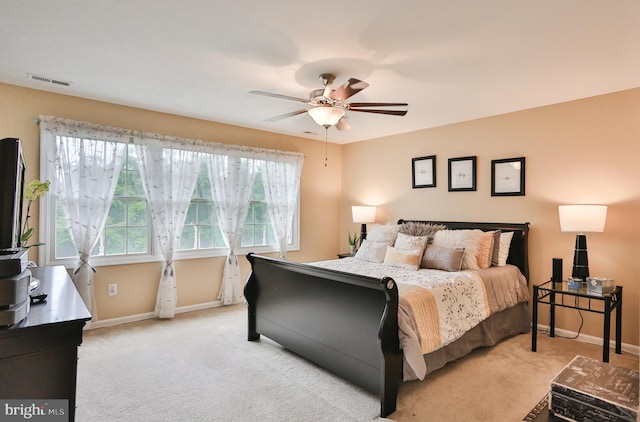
(326, 129)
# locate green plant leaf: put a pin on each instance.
(26, 235)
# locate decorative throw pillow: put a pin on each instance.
(469, 240)
(496, 248)
(403, 258)
(441, 258)
(485, 250)
(372, 251)
(413, 228)
(404, 241)
(383, 233)
(505, 244)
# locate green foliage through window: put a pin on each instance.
(128, 230)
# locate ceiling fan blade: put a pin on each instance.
(378, 104)
(284, 97)
(343, 124)
(284, 116)
(349, 88)
(390, 112)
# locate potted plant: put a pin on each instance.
(353, 241)
(34, 190)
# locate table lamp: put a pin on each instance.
(581, 219)
(363, 215)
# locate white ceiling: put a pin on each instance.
(450, 60)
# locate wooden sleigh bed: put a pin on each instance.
(348, 323)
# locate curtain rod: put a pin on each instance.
(177, 141)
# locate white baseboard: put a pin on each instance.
(148, 315)
(585, 338)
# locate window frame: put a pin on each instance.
(47, 217)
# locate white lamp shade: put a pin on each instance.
(582, 218)
(326, 115)
(363, 214)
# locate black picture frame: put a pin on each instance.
(462, 174)
(508, 177)
(423, 172)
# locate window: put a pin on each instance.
(128, 237)
(126, 231)
(257, 228)
(201, 229)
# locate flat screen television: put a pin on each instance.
(12, 174)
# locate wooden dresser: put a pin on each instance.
(38, 356)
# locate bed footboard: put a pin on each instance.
(343, 322)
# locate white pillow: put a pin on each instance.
(405, 241)
(505, 244)
(403, 258)
(372, 251)
(469, 240)
(383, 233)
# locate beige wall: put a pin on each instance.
(585, 151)
(578, 152)
(198, 279)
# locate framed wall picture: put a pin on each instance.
(507, 177)
(462, 174)
(423, 171)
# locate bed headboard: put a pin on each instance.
(519, 250)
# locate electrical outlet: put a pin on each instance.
(113, 289)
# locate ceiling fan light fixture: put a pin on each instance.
(326, 115)
(327, 106)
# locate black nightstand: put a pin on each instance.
(344, 255)
(558, 294)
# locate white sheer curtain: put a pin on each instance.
(282, 187)
(169, 178)
(231, 187)
(87, 159)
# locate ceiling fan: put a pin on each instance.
(327, 107)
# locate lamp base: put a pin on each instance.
(580, 259)
(363, 232)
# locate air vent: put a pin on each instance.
(47, 79)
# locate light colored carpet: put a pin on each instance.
(200, 367)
